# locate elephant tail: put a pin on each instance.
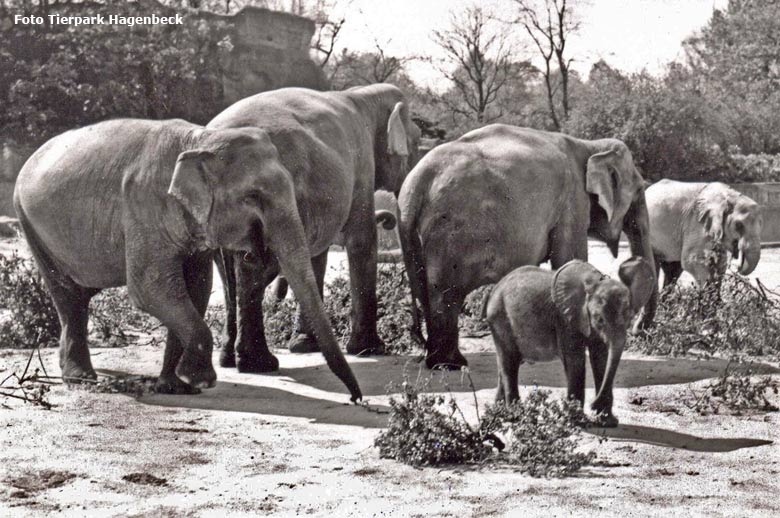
(414, 261)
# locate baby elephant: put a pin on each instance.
(536, 315)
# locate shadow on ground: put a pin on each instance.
(677, 440)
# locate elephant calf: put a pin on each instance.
(535, 315)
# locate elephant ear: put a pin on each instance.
(713, 212)
(637, 274)
(190, 183)
(572, 284)
(599, 181)
(396, 132)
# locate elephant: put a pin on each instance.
(145, 204)
(382, 217)
(535, 315)
(694, 226)
(501, 197)
(339, 148)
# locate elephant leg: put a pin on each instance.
(280, 287)
(646, 316)
(72, 304)
(442, 346)
(198, 279)
(573, 357)
(361, 243)
(672, 271)
(598, 352)
(304, 340)
(252, 278)
(225, 263)
(156, 284)
(508, 360)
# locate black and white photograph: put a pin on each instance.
(389, 258)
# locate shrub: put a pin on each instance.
(471, 321)
(31, 317)
(738, 392)
(429, 429)
(115, 322)
(543, 434)
(735, 316)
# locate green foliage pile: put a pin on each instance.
(471, 322)
(57, 77)
(30, 318)
(735, 316)
(429, 429)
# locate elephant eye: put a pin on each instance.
(252, 198)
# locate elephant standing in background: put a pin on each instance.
(339, 147)
(695, 225)
(501, 197)
(145, 203)
(536, 315)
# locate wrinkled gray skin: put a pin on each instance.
(339, 148)
(688, 221)
(383, 217)
(501, 197)
(536, 315)
(144, 203)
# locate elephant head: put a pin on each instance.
(593, 303)
(734, 221)
(396, 146)
(242, 198)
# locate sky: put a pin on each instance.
(630, 35)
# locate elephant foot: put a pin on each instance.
(303, 343)
(227, 358)
(372, 346)
(173, 385)
(257, 363)
(605, 420)
(74, 375)
(443, 361)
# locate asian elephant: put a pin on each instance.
(383, 217)
(144, 204)
(501, 197)
(694, 227)
(339, 148)
(536, 315)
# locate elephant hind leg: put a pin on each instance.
(442, 346)
(508, 359)
(672, 271)
(72, 304)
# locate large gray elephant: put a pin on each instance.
(339, 148)
(537, 315)
(144, 203)
(501, 197)
(694, 227)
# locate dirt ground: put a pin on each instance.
(288, 444)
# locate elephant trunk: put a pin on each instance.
(603, 401)
(749, 254)
(637, 228)
(288, 242)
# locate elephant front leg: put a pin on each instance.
(252, 277)
(177, 294)
(598, 352)
(573, 357)
(304, 340)
(361, 254)
(224, 261)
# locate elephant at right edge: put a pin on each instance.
(694, 225)
(501, 197)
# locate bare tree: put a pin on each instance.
(549, 23)
(481, 59)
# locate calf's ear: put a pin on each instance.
(638, 275)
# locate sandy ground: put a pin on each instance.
(288, 444)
